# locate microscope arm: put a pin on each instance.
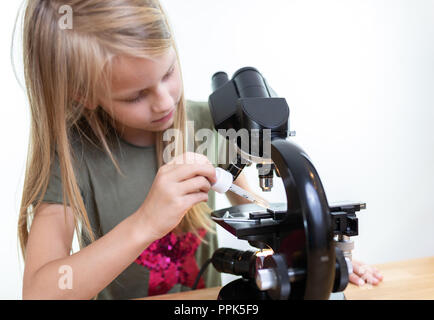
(306, 197)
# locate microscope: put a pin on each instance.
(304, 245)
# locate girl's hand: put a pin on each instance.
(178, 186)
(363, 273)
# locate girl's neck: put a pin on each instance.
(136, 137)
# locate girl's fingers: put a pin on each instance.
(371, 275)
(355, 279)
(189, 165)
(189, 158)
(194, 198)
(378, 275)
(188, 171)
(196, 184)
(361, 269)
(366, 273)
(360, 280)
(358, 267)
(369, 278)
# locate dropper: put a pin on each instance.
(224, 183)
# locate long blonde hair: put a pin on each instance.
(62, 64)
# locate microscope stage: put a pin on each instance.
(251, 219)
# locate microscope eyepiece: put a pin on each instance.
(218, 80)
(250, 83)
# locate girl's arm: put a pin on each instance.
(49, 264)
(178, 185)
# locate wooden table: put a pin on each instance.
(410, 279)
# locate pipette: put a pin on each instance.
(224, 183)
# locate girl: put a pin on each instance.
(102, 93)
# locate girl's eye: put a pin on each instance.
(142, 95)
(169, 74)
(139, 98)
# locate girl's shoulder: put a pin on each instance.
(200, 114)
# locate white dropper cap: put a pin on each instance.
(224, 180)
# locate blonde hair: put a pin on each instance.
(63, 65)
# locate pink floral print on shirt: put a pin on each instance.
(171, 260)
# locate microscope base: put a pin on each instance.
(242, 289)
(337, 296)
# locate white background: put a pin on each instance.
(358, 77)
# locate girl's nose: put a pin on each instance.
(163, 101)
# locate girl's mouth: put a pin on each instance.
(166, 118)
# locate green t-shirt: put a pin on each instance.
(110, 198)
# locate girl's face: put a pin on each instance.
(145, 95)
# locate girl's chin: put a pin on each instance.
(156, 126)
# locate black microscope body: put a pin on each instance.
(305, 232)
